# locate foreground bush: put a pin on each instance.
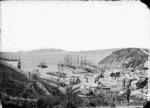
(68, 100)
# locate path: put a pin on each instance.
(62, 89)
(43, 88)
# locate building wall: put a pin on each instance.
(112, 83)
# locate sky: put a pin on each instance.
(74, 26)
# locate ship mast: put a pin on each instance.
(62, 69)
(82, 62)
(58, 66)
(77, 60)
(74, 60)
(85, 60)
(70, 59)
(1, 55)
(12, 57)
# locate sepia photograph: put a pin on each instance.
(74, 54)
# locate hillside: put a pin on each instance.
(126, 58)
(16, 84)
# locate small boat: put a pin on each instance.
(79, 72)
(42, 65)
(57, 74)
(107, 88)
(52, 73)
(60, 73)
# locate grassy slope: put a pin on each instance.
(14, 83)
(51, 89)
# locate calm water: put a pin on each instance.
(30, 61)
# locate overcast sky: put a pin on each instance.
(74, 26)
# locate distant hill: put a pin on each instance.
(126, 58)
(60, 50)
(43, 51)
(97, 51)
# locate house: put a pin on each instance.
(107, 74)
(112, 83)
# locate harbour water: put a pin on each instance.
(29, 62)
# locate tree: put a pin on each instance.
(142, 84)
(36, 74)
(112, 74)
(117, 74)
(125, 65)
(101, 76)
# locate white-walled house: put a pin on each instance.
(112, 83)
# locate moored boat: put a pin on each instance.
(42, 65)
(57, 74)
(78, 72)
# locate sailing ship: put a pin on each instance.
(79, 62)
(60, 71)
(73, 62)
(42, 65)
